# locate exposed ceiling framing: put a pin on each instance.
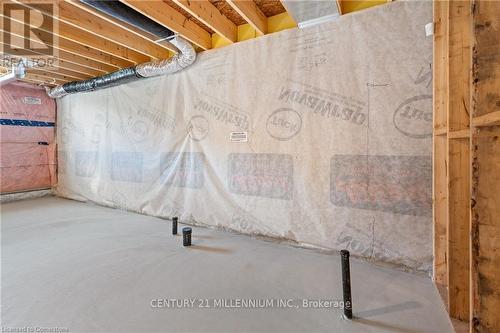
(91, 43)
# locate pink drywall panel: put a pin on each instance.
(27, 117)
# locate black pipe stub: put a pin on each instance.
(186, 236)
(174, 225)
(346, 283)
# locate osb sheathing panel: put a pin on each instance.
(267, 7)
(270, 7)
(189, 16)
(228, 11)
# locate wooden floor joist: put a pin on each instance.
(43, 78)
(32, 80)
(45, 37)
(67, 56)
(251, 13)
(209, 15)
(72, 14)
(92, 41)
(77, 53)
(170, 18)
(52, 73)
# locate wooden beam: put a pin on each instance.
(251, 13)
(459, 53)
(170, 18)
(58, 70)
(70, 74)
(124, 25)
(43, 78)
(441, 131)
(88, 39)
(90, 52)
(209, 15)
(85, 61)
(485, 222)
(73, 14)
(440, 154)
(52, 74)
(339, 7)
(460, 134)
(88, 19)
(458, 228)
(61, 63)
(37, 82)
(487, 119)
(68, 56)
(71, 61)
(61, 43)
(106, 46)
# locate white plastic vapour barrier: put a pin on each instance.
(319, 135)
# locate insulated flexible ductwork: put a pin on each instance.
(185, 57)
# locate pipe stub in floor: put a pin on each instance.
(186, 236)
(174, 225)
(346, 283)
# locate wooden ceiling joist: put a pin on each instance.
(92, 53)
(123, 25)
(66, 61)
(89, 42)
(85, 61)
(72, 74)
(72, 39)
(73, 14)
(54, 74)
(107, 46)
(69, 57)
(61, 63)
(32, 80)
(127, 26)
(58, 69)
(163, 14)
(64, 44)
(251, 13)
(42, 78)
(209, 15)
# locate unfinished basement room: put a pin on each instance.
(250, 166)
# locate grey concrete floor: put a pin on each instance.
(87, 268)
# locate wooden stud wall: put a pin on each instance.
(467, 160)
(458, 119)
(440, 154)
(485, 254)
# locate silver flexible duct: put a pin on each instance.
(184, 58)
